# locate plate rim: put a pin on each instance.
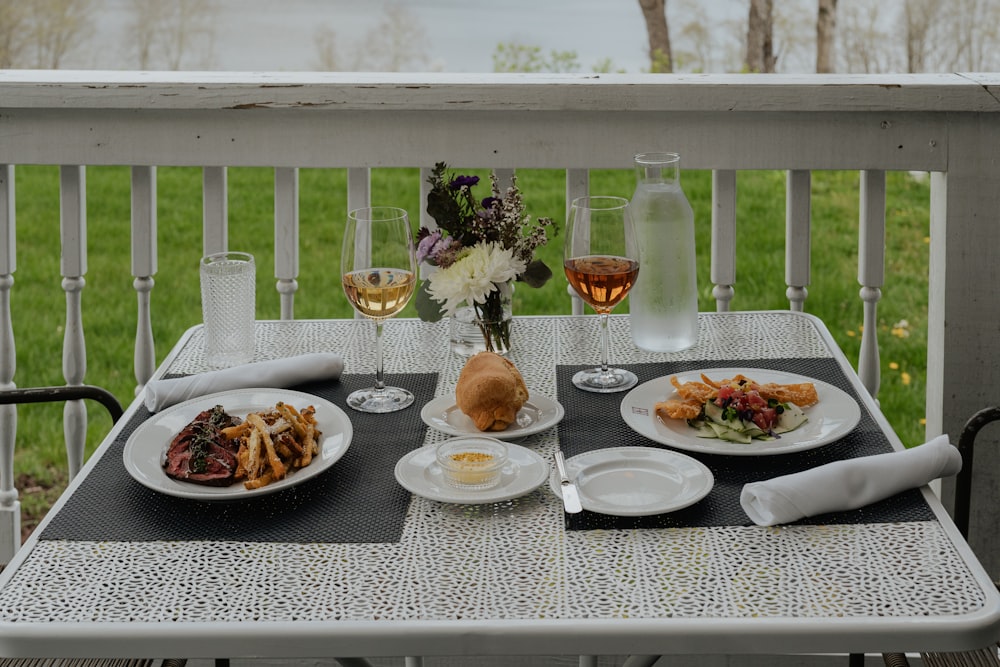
(234, 492)
(653, 451)
(712, 445)
(447, 401)
(471, 498)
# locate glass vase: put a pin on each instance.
(487, 326)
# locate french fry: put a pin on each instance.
(238, 431)
(273, 443)
(277, 466)
(255, 462)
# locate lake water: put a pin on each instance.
(461, 35)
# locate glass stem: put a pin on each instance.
(604, 343)
(379, 372)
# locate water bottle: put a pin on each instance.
(663, 303)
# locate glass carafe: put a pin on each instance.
(663, 304)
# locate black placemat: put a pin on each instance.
(593, 421)
(356, 501)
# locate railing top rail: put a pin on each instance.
(96, 89)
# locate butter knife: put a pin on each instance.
(570, 495)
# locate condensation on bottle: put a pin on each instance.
(663, 303)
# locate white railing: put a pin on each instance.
(948, 125)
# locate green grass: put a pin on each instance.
(109, 309)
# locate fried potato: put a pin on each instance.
(274, 442)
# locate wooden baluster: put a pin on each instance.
(359, 195)
(286, 237)
(723, 270)
(73, 233)
(504, 177)
(143, 269)
(215, 210)
(577, 185)
(424, 217)
(10, 507)
(871, 273)
(797, 230)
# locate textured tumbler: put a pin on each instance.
(227, 306)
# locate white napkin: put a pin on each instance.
(849, 484)
(274, 373)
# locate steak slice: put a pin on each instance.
(200, 453)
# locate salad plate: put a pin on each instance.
(419, 473)
(636, 481)
(830, 419)
(146, 448)
(536, 415)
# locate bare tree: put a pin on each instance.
(13, 26)
(919, 18)
(661, 58)
(826, 30)
(760, 37)
(167, 34)
(971, 27)
(695, 48)
(325, 40)
(398, 38)
(865, 46)
(792, 42)
(54, 28)
(145, 28)
(393, 45)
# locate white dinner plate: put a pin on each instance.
(146, 447)
(636, 481)
(419, 473)
(536, 415)
(830, 419)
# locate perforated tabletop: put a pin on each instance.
(512, 577)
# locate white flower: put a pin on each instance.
(474, 276)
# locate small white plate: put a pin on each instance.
(636, 481)
(419, 473)
(833, 417)
(145, 448)
(536, 415)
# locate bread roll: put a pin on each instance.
(490, 391)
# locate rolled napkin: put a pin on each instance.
(848, 484)
(274, 373)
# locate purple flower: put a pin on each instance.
(433, 246)
(426, 245)
(460, 181)
(489, 202)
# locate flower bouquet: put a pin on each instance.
(478, 249)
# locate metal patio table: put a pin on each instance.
(357, 566)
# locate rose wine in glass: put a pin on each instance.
(601, 263)
(379, 272)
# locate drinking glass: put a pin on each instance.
(378, 268)
(227, 306)
(601, 261)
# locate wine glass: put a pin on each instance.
(601, 261)
(378, 267)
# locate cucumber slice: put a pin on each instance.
(789, 420)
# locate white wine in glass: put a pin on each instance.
(601, 263)
(379, 272)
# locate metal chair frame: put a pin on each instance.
(985, 657)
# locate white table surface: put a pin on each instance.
(509, 578)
